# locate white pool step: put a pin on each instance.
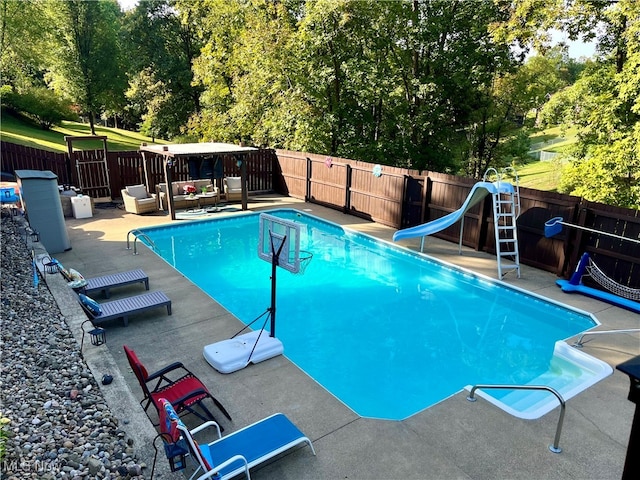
(571, 371)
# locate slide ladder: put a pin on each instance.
(506, 209)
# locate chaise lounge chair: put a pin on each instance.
(106, 282)
(237, 452)
(184, 392)
(123, 307)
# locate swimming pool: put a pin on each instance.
(387, 331)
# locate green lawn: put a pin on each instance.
(18, 131)
(553, 133)
(546, 175)
(540, 175)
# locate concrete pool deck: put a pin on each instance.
(453, 439)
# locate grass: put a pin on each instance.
(540, 175)
(553, 133)
(22, 132)
(546, 175)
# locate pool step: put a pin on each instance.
(570, 372)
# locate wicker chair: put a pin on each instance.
(138, 200)
(233, 188)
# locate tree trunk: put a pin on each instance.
(91, 123)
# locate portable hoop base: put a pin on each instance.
(230, 355)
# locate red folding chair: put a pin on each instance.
(185, 393)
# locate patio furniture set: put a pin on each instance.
(188, 194)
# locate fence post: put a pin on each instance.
(427, 187)
(575, 245)
(347, 188)
(307, 193)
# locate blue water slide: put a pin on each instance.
(477, 193)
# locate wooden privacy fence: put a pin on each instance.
(399, 198)
(348, 185)
(17, 157)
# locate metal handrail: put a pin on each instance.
(578, 343)
(554, 447)
(136, 235)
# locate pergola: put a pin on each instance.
(204, 150)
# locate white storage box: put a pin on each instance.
(81, 206)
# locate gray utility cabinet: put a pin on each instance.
(40, 199)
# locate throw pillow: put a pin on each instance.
(137, 191)
(90, 304)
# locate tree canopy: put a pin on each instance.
(444, 85)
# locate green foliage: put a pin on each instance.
(4, 434)
(603, 104)
(161, 49)
(604, 107)
(391, 82)
(427, 84)
(609, 174)
(42, 105)
(23, 44)
(84, 56)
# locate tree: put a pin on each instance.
(84, 61)
(539, 78)
(161, 48)
(604, 103)
(23, 43)
(392, 82)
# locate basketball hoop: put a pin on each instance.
(305, 259)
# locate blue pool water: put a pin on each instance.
(387, 331)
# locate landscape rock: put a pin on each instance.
(60, 425)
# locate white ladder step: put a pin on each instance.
(505, 206)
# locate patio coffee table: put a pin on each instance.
(208, 195)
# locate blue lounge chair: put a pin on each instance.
(123, 307)
(237, 452)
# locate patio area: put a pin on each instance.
(453, 439)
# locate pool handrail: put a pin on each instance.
(579, 343)
(554, 447)
(136, 235)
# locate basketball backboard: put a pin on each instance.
(275, 232)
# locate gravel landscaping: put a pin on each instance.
(57, 424)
